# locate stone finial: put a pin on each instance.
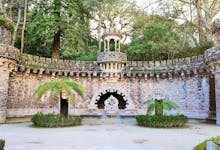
(216, 29)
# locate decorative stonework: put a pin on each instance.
(112, 57)
(111, 106)
(96, 97)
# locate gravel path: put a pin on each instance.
(104, 135)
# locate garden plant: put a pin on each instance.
(55, 88)
(159, 120)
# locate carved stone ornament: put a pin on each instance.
(111, 106)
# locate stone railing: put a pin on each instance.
(112, 57)
(9, 52)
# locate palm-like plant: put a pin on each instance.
(159, 105)
(56, 87)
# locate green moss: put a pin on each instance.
(7, 23)
(202, 146)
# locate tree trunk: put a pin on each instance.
(11, 3)
(159, 107)
(24, 25)
(56, 38)
(200, 21)
(56, 46)
(2, 9)
(99, 30)
(17, 25)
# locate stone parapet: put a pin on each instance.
(167, 65)
(160, 69)
(59, 64)
(9, 52)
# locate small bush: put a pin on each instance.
(202, 146)
(160, 121)
(51, 120)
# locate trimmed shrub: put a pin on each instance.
(202, 146)
(51, 120)
(160, 121)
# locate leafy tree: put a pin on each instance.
(59, 25)
(56, 87)
(118, 14)
(158, 42)
(159, 105)
(196, 14)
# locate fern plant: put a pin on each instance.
(159, 105)
(56, 87)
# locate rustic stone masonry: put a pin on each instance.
(6, 67)
(185, 81)
(5, 36)
(213, 60)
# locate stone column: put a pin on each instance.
(212, 57)
(115, 45)
(119, 46)
(6, 67)
(108, 45)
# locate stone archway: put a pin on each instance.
(124, 100)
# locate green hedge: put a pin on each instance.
(202, 146)
(161, 121)
(51, 120)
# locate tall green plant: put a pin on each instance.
(56, 87)
(159, 105)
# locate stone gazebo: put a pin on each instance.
(112, 60)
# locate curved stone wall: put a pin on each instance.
(184, 81)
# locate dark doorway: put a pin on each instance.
(212, 101)
(64, 107)
(121, 102)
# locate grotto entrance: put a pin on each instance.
(114, 97)
(64, 107)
